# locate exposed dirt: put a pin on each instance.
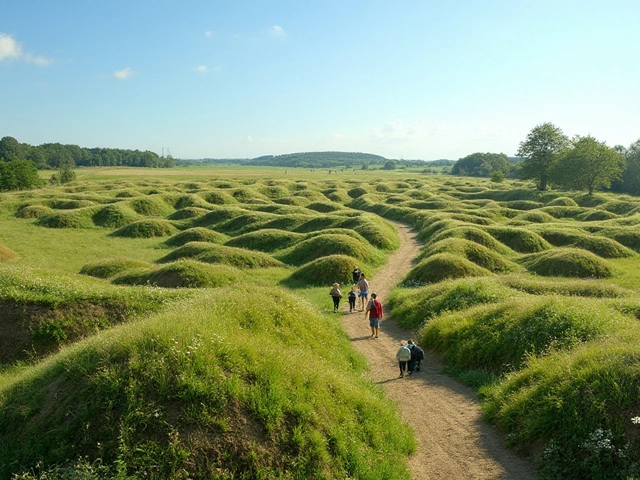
(454, 442)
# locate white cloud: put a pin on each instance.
(200, 69)
(249, 139)
(9, 48)
(123, 74)
(208, 33)
(277, 31)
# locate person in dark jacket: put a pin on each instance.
(356, 275)
(417, 355)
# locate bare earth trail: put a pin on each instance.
(454, 442)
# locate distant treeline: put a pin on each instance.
(56, 155)
(316, 160)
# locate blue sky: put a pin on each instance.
(417, 79)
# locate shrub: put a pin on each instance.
(443, 266)
(115, 215)
(325, 271)
(567, 262)
(147, 228)
(330, 244)
(110, 267)
(267, 240)
(521, 240)
(196, 234)
(34, 211)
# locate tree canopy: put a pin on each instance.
(588, 165)
(481, 164)
(18, 175)
(541, 149)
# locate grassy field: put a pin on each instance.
(176, 323)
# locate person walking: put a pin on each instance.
(374, 309)
(403, 355)
(352, 299)
(363, 286)
(356, 275)
(336, 294)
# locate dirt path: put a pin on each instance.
(454, 442)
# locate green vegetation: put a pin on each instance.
(146, 228)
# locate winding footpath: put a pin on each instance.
(454, 442)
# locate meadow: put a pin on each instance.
(176, 323)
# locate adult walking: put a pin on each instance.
(374, 309)
(363, 286)
(336, 295)
(356, 275)
(403, 355)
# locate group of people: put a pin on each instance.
(409, 356)
(372, 308)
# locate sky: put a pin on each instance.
(423, 79)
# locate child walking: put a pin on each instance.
(336, 295)
(352, 299)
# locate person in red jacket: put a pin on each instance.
(374, 309)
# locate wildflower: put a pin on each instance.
(635, 420)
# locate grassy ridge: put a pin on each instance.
(231, 384)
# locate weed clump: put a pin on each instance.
(443, 266)
(567, 262)
(196, 234)
(147, 228)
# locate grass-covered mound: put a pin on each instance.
(521, 240)
(443, 266)
(325, 271)
(208, 390)
(196, 234)
(564, 286)
(34, 211)
(499, 337)
(628, 237)
(217, 197)
(473, 234)
(115, 215)
(294, 201)
(147, 228)
(596, 216)
(535, 216)
(150, 207)
(324, 207)
(267, 240)
(244, 223)
(81, 218)
(567, 262)
(562, 202)
(378, 232)
(43, 309)
(110, 267)
(619, 207)
(523, 204)
(212, 253)
(6, 253)
(188, 212)
(414, 307)
(184, 274)
(472, 251)
(68, 203)
(603, 246)
(330, 244)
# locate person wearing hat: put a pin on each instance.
(403, 355)
(336, 294)
(374, 309)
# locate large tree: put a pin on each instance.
(541, 149)
(481, 164)
(589, 165)
(18, 175)
(630, 180)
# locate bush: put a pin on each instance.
(147, 228)
(19, 175)
(443, 266)
(115, 215)
(196, 234)
(325, 271)
(110, 267)
(330, 244)
(567, 262)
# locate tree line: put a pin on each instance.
(56, 155)
(549, 157)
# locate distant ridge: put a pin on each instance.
(318, 159)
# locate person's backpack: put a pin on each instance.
(404, 354)
(377, 307)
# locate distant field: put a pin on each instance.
(529, 296)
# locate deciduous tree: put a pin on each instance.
(541, 149)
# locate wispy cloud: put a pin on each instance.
(205, 69)
(123, 74)
(277, 31)
(208, 33)
(10, 49)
